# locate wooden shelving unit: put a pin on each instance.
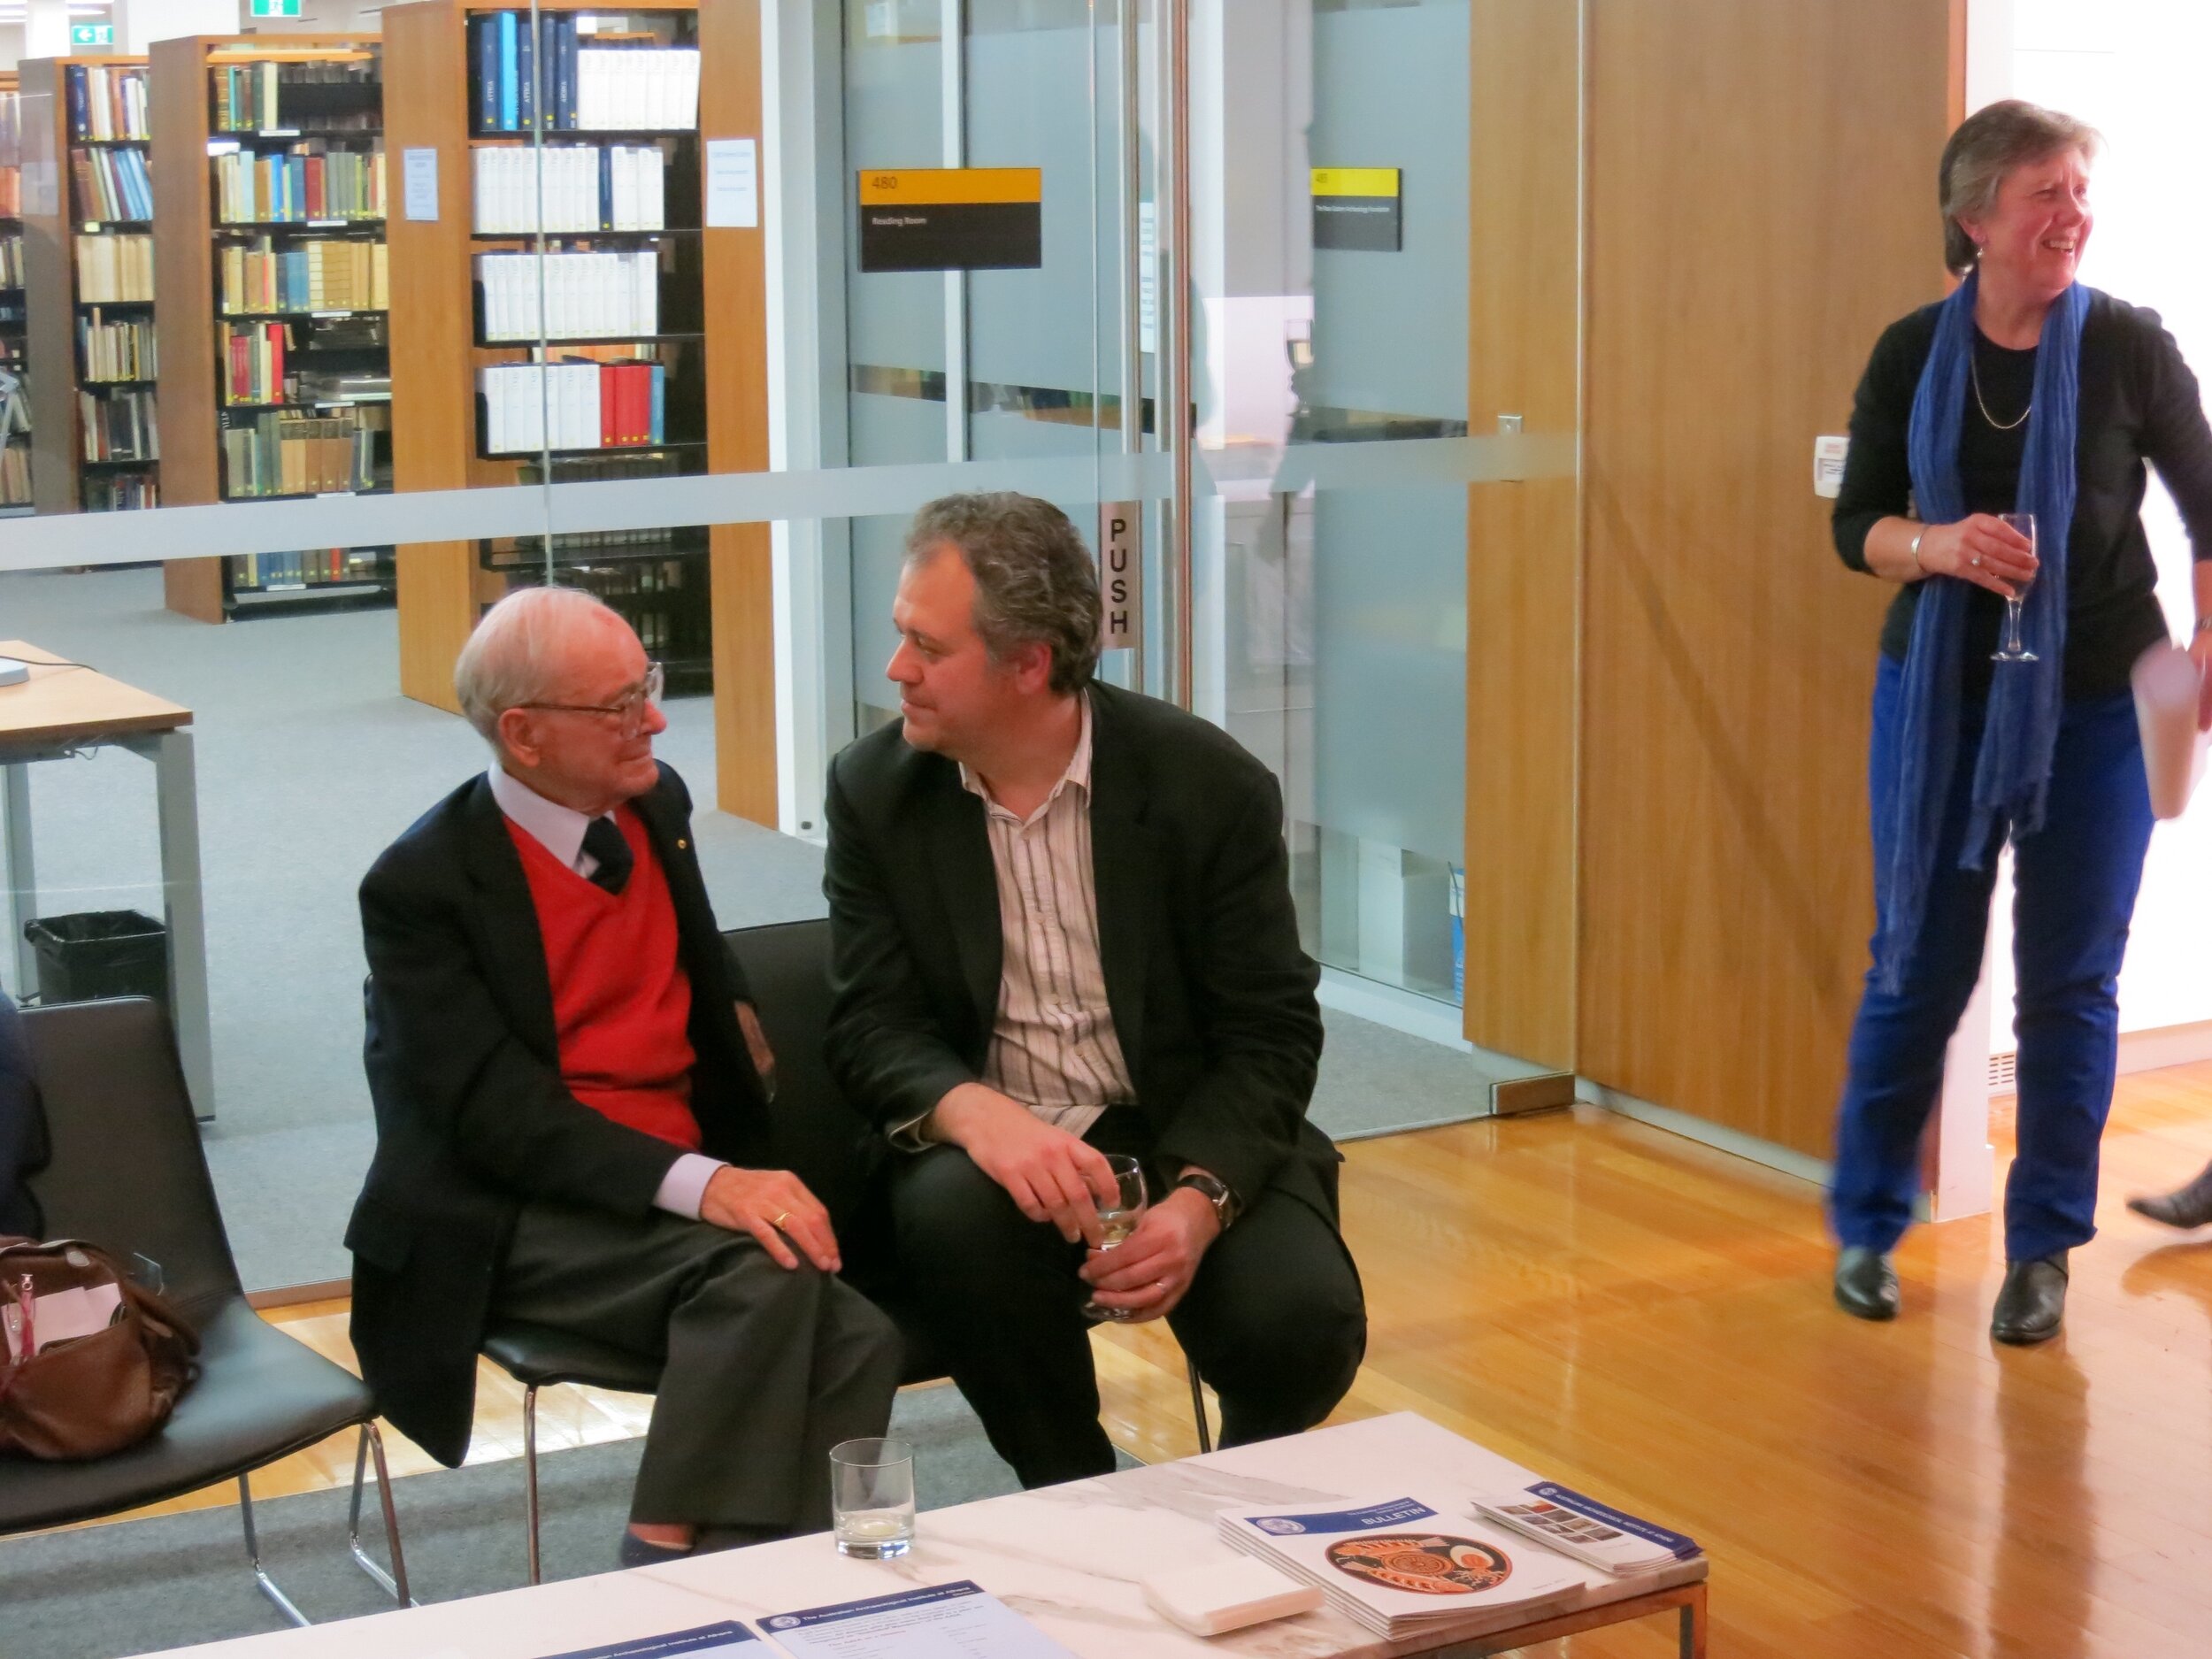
(54, 221)
(15, 489)
(700, 598)
(335, 363)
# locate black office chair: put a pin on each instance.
(815, 1133)
(128, 1172)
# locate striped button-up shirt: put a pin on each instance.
(1053, 1046)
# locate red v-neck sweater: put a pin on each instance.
(621, 1000)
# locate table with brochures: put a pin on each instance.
(1070, 1561)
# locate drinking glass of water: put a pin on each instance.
(871, 1495)
(2012, 651)
(1117, 1218)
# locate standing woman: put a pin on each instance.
(2023, 392)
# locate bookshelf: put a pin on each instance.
(699, 597)
(15, 443)
(270, 276)
(88, 253)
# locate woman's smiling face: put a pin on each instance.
(2035, 234)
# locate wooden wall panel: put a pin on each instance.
(1523, 546)
(1761, 183)
(730, 106)
(184, 305)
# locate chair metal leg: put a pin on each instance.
(1198, 1407)
(394, 1582)
(530, 1471)
(267, 1586)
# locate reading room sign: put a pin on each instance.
(952, 218)
(1359, 208)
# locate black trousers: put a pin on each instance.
(1275, 1319)
(766, 1368)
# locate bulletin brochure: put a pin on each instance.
(961, 1620)
(702, 1642)
(1400, 1566)
(1594, 1533)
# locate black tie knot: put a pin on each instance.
(604, 841)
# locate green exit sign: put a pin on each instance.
(275, 9)
(92, 34)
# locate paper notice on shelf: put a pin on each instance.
(944, 1621)
(733, 184)
(700, 1643)
(421, 170)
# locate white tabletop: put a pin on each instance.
(1071, 1558)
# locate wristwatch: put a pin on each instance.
(1215, 1193)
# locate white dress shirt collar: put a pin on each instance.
(558, 829)
(1077, 776)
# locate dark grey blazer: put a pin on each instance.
(1211, 995)
(472, 1116)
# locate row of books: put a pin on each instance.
(118, 425)
(114, 270)
(282, 452)
(120, 492)
(531, 406)
(662, 602)
(583, 89)
(252, 357)
(10, 154)
(582, 187)
(15, 474)
(570, 296)
(248, 97)
(113, 350)
(108, 103)
(309, 181)
(112, 184)
(11, 262)
(325, 567)
(324, 275)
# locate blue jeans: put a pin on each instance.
(2074, 892)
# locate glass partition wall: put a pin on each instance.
(646, 337)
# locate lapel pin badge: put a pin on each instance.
(682, 846)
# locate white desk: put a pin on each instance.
(1070, 1558)
(57, 711)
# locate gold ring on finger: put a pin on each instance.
(1978, 561)
(781, 1219)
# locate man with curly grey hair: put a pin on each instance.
(1062, 931)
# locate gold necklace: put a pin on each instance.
(1974, 373)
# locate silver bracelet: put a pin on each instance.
(1916, 565)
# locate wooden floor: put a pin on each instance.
(1649, 1321)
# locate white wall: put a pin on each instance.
(140, 23)
(2135, 70)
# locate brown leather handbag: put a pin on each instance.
(88, 1395)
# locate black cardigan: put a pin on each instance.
(2139, 402)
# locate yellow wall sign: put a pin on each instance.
(1358, 208)
(952, 218)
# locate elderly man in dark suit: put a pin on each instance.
(569, 1107)
(1062, 928)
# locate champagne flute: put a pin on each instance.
(2013, 650)
(1117, 1218)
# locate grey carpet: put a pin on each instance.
(135, 1587)
(309, 762)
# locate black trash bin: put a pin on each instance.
(100, 953)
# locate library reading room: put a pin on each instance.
(892, 828)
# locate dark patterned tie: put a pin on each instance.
(604, 841)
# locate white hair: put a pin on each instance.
(513, 653)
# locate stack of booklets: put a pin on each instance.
(572, 406)
(585, 188)
(632, 87)
(1592, 1532)
(312, 180)
(112, 184)
(114, 270)
(586, 296)
(108, 103)
(1403, 1566)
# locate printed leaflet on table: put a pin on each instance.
(1590, 1532)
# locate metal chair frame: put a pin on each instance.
(393, 1583)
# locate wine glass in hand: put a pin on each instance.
(2013, 650)
(1117, 1218)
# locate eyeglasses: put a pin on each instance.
(629, 708)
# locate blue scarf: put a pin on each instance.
(2013, 771)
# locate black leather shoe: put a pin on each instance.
(2032, 1302)
(2189, 1206)
(1866, 1286)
